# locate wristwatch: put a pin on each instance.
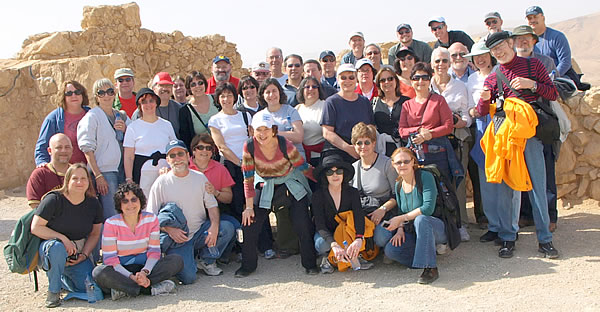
(146, 271)
(534, 87)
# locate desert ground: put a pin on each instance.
(472, 277)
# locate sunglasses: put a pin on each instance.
(402, 32)
(365, 142)
(294, 65)
(249, 87)
(76, 92)
(178, 154)
(347, 77)
(208, 148)
(445, 61)
(312, 87)
(421, 77)
(388, 79)
(438, 27)
(126, 201)
(408, 57)
(402, 162)
(109, 92)
(338, 171)
(458, 55)
(492, 22)
(328, 60)
(199, 83)
(128, 79)
(373, 53)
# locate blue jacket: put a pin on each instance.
(172, 216)
(554, 44)
(53, 123)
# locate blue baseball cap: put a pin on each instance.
(533, 10)
(175, 144)
(221, 58)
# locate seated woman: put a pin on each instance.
(411, 237)
(132, 261)
(334, 197)
(269, 168)
(374, 177)
(68, 221)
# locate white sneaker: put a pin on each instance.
(270, 254)
(210, 269)
(441, 249)
(326, 267)
(163, 287)
(464, 235)
(117, 294)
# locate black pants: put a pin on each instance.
(302, 225)
(526, 212)
(107, 278)
(473, 170)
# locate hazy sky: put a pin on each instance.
(302, 27)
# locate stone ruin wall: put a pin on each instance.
(31, 84)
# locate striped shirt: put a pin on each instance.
(118, 240)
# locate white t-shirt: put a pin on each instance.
(187, 193)
(457, 98)
(311, 122)
(233, 129)
(284, 118)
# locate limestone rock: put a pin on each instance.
(584, 170)
(579, 138)
(593, 174)
(589, 122)
(564, 189)
(583, 185)
(567, 159)
(55, 44)
(591, 154)
(565, 178)
(595, 189)
(592, 100)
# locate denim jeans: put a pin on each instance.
(321, 245)
(550, 161)
(53, 256)
(108, 201)
(418, 249)
(196, 245)
(501, 207)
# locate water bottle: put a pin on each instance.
(354, 261)
(288, 127)
(90, 289)
(119, 133)
(240, 235)
(214, 251)
(553, 75)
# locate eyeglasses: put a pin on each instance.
(361, 143)
(127, 79)
(421, 77)
(294, 65)
(342, 77)
(438, 27)
(338, 171)
(178, 154)
(274, 57)
(458, 55)
(402, 162)
(389, 79)
(126, 201)
(109, 92)
(249, 87)
(76, 92)
(311, 87)
(199, 83)
(208, 148)
(491, 22)
(408, 57)
(373, 53)
(445, 61)
(328, 60)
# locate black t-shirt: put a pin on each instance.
(73, 221)
(456, 36)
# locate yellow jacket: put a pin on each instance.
(345, 232)
(504, 159)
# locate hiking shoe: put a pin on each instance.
(163, 287)
(441, 249)
(364, 264)
(548, 250)
(209, 269)
(498, 241)
(489, 236)
(506, 251)
(428, 276)
(464, 235)
(53, 300)
(270, 254)
(312, 271)
(326, 267)
(117, 294)
(240, 273)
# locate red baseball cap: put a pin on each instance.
(162, 78)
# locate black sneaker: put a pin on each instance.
(428, 276)
(548, 250)
(506, 251)
(498, 241)
(488, 237)
(312, 271)
(241, 272)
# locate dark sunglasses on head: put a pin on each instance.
(401, 162)
(408, 57)
(311, 87)
(249, 87)
(338, 171)
(178, 154)
(199, 83)
(421, 77)
(109, 92)
(456, 55)
(203, 147)
(440, 26)
(360, 143)
(489, 23)
(347, 77)
(445, 61)
(128, 79)
(126, 201)
(76, 92)
(373, 53)
(294, 65)
(390, 79)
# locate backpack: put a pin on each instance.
(446, 203)
(21, 251)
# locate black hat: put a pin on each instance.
(405, 50)
(334, 161)
(496, 38)
(144, 91)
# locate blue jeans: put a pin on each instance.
(534, 157)
(418, 249)
(196, 245)
(501, 207)
(53, 256)
(321, 245)
(108, 201)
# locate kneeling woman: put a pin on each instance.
(411, 237)
(270, 169)
(131, 250)
(68, 221)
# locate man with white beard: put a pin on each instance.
(221, 70)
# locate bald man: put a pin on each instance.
(459, 65)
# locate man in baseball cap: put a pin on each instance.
(446, 38)
(493, 22)
(221, 70)
(404, 34)
(162, 85)
(261, 71)
(357, 45)
(124, 82)
(327, 59)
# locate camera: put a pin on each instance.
(73, 257)
(417, 148)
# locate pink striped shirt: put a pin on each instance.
(118, 240)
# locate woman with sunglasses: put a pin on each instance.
(248, 96)
(387, 107)
(100, 137)
(312, 100)
(411, 237)
(405, 60)
(194, 116)
(64, 119)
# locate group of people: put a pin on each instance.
(182, 175)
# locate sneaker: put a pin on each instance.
(441, 249)
(117, 294)
(506, 251)
(387, 260)
(498, 241)
(464, 235)
(364, 264)
(270, 254)
(241, 273)
(428, 276)
(210, 269)
(548, 250)
(163, 287)
(312, 271)
(489, 236)
(326, 267)
(53, 300)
